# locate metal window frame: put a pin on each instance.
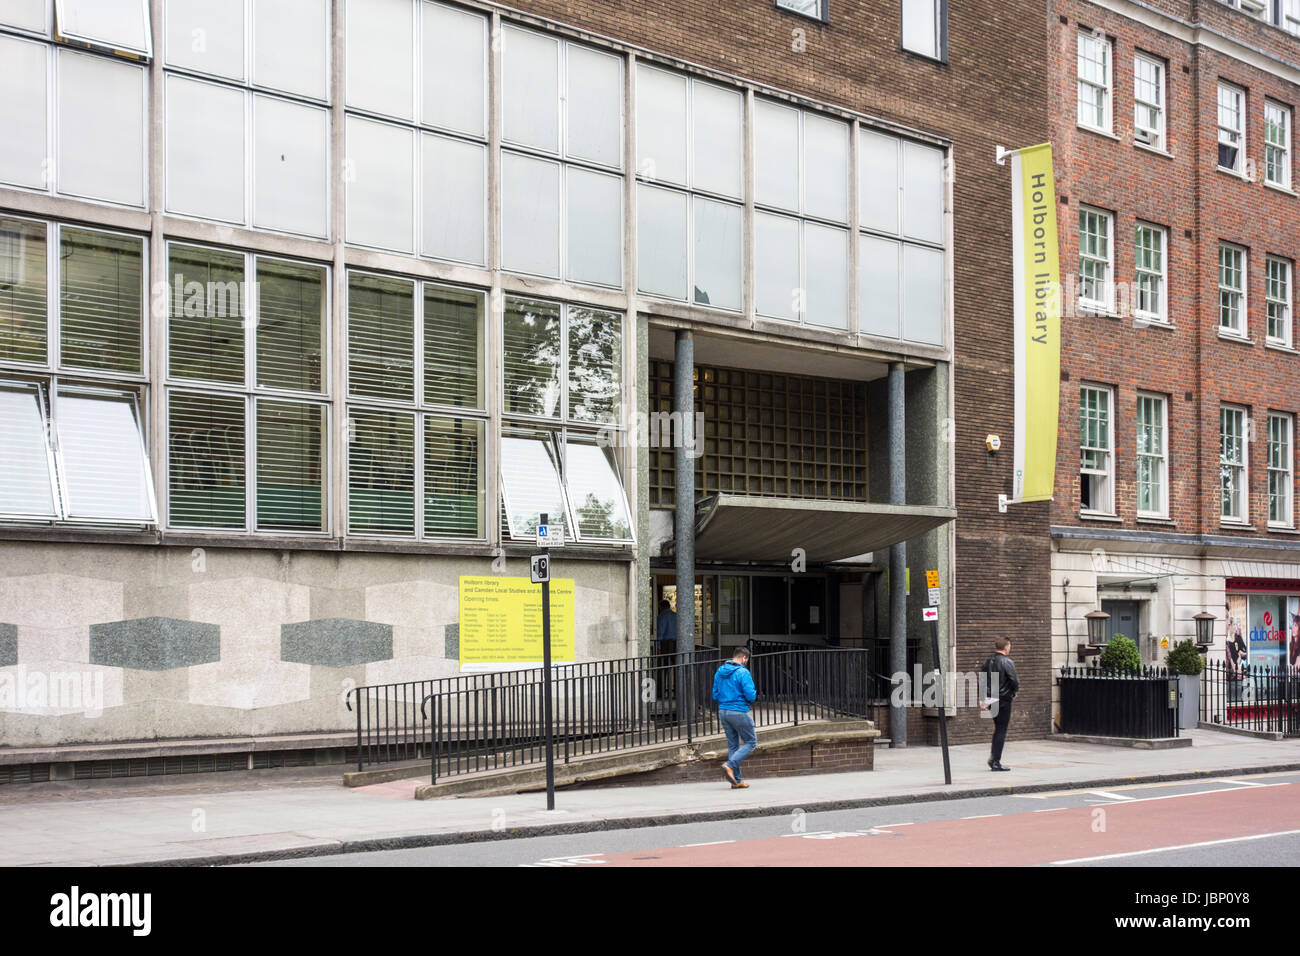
(132, 398)
(941, 32)
(100, 43)
(47, 431)
(823, 15)
(1162, 459)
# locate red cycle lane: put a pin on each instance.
(1019, 839)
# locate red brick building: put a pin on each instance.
(1173, 125)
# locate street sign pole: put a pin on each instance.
(546, 681)
(932, 585)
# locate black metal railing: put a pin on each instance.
(1251, 697)
(495, 721)
(1119, 703)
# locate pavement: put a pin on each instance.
(224, 818)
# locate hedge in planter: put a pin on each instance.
(1185, 658)
(1121, 654)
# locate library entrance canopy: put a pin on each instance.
(750, 528)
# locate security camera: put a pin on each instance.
(993, 443)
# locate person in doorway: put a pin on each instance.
(666, 629)
(1000, 673)
(733, 689)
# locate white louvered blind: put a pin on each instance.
(206, 331)
(104, 470)
(290, 326)
(381, 472)
(453, 347)
(532, 358)
(453, 478)
(206, 460)
(23, 297)
(26, 479)
(290, 466)
(381, 337)
(596, 493)
(101, 300)
(530, 484)
(595, 364)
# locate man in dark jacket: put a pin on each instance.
(733, 689)
(1002, 682)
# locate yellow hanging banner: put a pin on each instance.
(1037, 276)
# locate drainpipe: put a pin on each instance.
(897, 555)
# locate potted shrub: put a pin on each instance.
(1185, 660)
(1121, 654)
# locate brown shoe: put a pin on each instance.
(731, 774)
(740, 786)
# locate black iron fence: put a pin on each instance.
(1251, 697)
(495, 721)
(1116, 703)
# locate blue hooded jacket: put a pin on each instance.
(733, 688)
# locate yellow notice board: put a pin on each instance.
(501, 623)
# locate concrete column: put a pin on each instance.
(684, 543)
(898, 552)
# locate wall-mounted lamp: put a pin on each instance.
(1204, 630)
(1096, 635)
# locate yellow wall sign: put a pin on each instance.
(501, 623)
(931, 579)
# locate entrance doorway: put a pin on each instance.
(1123, 619)
(734, 608)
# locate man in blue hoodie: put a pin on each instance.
(733, 689)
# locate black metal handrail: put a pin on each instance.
(494, 721)
(1251, 697)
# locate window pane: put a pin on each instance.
(920, 27)
(923, 192)
(290, 326)
(532, 358)
(661, 242)
(827, 256)
(878, 286)
(530, 94)
(23, 316)
(453, 478)
(23, 99)
(455, 199)
(599, 501)
(26, 481)
(380, 68)
(380, 189)
(290, 466)
(289, 46)
(381, 472)
(25, 14)
(206, 307)
(717, 254)
(100, 300)
(595, 227)
(923, 285)
(205, 150)
(812, 8)
(776, 258)
(290, 147)
(776, 155)
(595, 365)
(453, 347)
(381, 337)
(595, 106)
(878, 183)
(826, 161)
(206, 475)
(207, 36)
(530, 215)
(717, 117)
(101, 128)
(454, 69)
(530, 485)
(660, 125)
(104, 471)
(114, 24)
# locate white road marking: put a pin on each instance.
(886, 826)
(1167, 849)
(1243, 783)
(1108, 795)
(712, 843)
(981, 816)
(1054, 809)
